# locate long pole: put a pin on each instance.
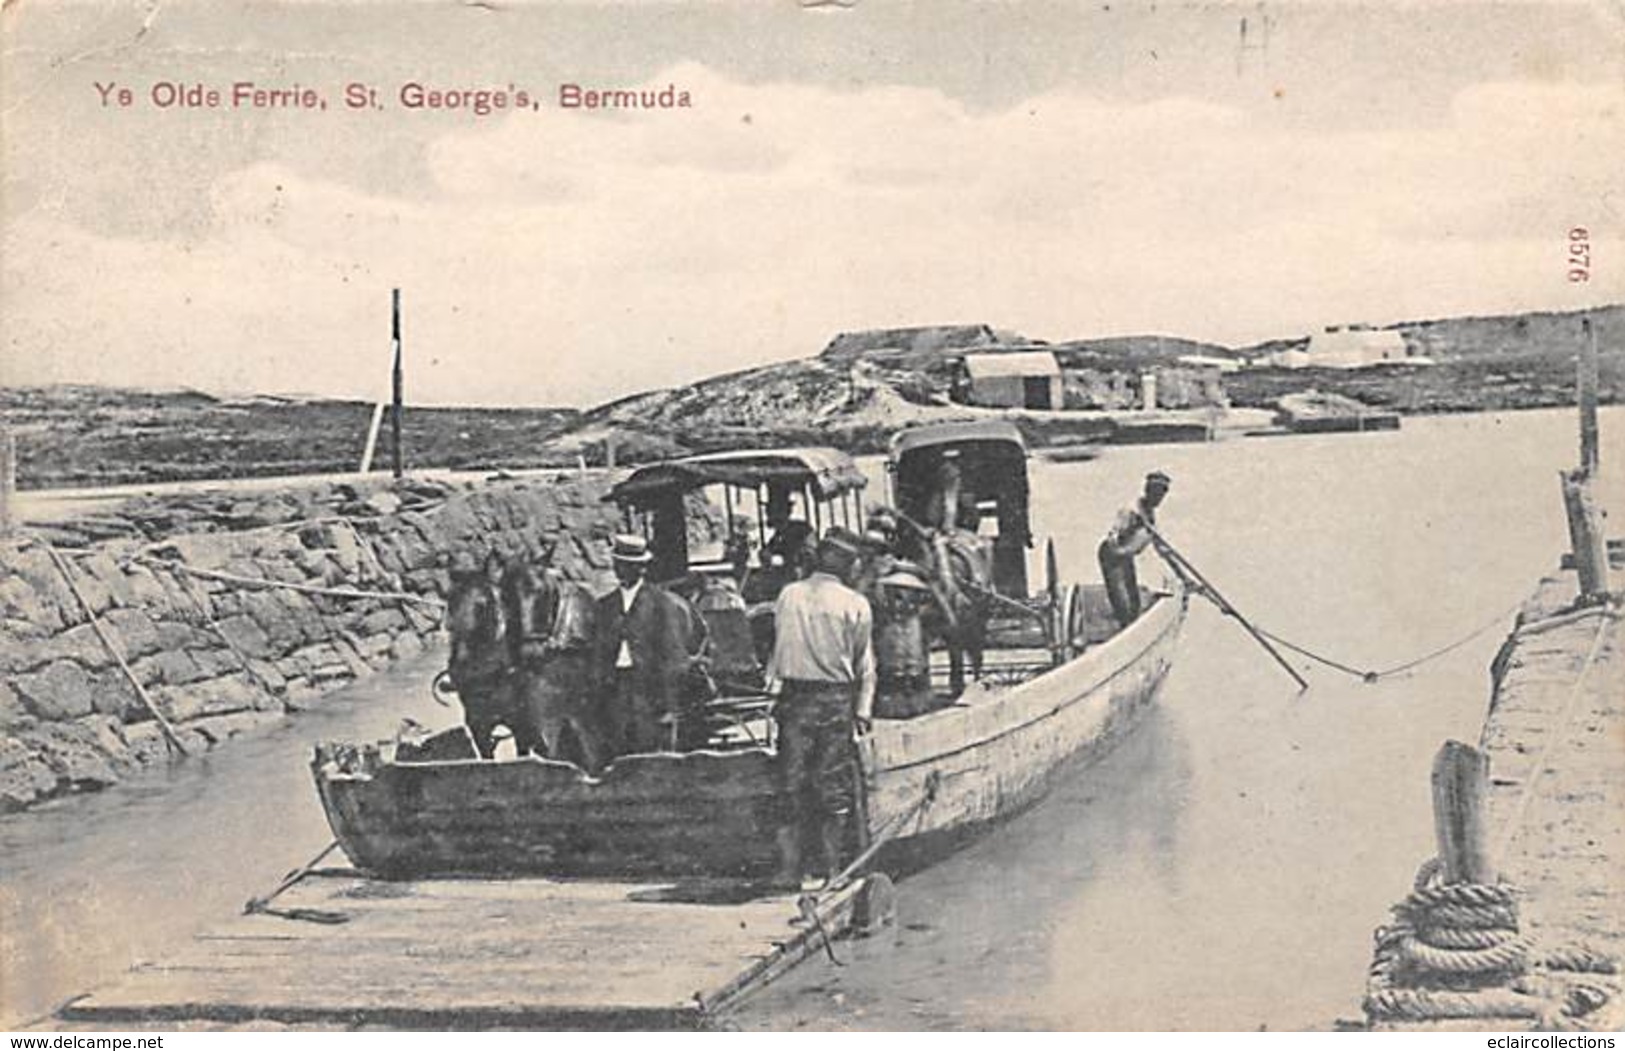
(398, 384)
(1588, 380)
(1180, 563)
(8, 478)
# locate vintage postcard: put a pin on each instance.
(812, 514)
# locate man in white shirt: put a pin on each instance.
(823, 671)
(1129, 536)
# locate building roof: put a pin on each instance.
(1024, 363)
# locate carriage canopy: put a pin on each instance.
(985, 489)
(760, 493)
(828, 473)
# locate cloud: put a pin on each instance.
(566, 255)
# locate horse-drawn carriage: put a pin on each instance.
(1061, 680)
(727, 531)
(968, 482)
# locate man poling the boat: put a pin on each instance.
(1129, 536)
(823, 671)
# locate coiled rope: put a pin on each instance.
(1455, 951)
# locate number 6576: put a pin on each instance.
(1579, 260)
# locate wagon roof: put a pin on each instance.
(936, 434)
(829, 472)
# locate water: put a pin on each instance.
(1221, 870)
(1224, 867)
(91, 884)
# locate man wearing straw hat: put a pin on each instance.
(641, 652)
(823, 671)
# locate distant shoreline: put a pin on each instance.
(62, 474)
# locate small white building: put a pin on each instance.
(1208, 361)
(1020, 380)
(1348, 348)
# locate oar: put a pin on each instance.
(263, 906)
(1182, 565)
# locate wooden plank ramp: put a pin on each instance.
(470, 954)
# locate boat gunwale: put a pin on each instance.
(1081, 696)
(583, 778)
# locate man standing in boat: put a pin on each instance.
(1129, 536)
(641, 653)
(823, 670)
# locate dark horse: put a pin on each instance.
(958, 565)
(480, 664)
(550, 628)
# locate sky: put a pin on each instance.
(1067, 170)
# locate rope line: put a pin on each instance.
(307, 589)
(1558, 735)
(1372, 675)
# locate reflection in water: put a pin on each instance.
(1222, 869)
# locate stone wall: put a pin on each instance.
(218, 657)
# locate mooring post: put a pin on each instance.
(398, 384)
(1587, 386)
(1461, 779)
(8, 478)
(1586, 537)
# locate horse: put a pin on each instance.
(958, 566)
(550, 633)
(479, 666)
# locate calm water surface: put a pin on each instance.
(1221, 870)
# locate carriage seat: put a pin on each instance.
(734, 663)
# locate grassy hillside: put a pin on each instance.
(74, 435)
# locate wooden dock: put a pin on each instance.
(472, 954)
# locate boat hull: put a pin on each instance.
(931, 783)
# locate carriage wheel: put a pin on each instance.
(1054, 612)
(1077, 621)
(1055, 632)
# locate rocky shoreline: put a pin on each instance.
(217, 654)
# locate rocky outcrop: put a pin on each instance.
(214, 652)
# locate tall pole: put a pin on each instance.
(8, 477)
(1586, 537)
(1588, 381)
(398, 385)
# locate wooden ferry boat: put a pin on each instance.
(1061, 685)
